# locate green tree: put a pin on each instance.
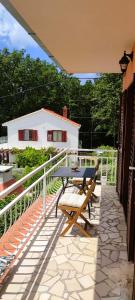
(106, 107)
(30, 84)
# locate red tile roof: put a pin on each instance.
(61, 117)
(48, 111)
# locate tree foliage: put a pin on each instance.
(28, 84)
(106, 108)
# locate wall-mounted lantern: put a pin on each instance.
(124, 61)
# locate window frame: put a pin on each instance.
(50, 136)
(27, 135)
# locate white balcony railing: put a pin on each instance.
(40, 187)
(108, 162)
(46, 183)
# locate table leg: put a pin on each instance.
(84, 183)
(61, 192)
(89, 209)
(83, 188)
(64, 185)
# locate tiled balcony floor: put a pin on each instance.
(73, 267)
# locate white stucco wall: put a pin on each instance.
(42, 122)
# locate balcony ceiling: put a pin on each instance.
(81, 35)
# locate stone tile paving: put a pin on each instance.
(74, 267)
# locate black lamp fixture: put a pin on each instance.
(124, 61)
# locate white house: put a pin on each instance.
(42, 128)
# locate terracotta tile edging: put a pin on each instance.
(40, 219)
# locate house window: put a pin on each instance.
(56, 136)
(27, 135)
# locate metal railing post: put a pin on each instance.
(44, 193)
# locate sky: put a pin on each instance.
(13, 36)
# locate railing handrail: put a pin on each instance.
(98, 157)
(22, 194)
(92, 150)
(14, 186)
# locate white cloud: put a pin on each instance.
(12, 33)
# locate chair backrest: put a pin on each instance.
(89, 194)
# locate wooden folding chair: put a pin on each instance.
(79, 181)
(73, 206)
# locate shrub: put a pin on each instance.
(27, 170)
(105, 153)
(3, 203)
(16, 150)
(31, 157)
(6, 200)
